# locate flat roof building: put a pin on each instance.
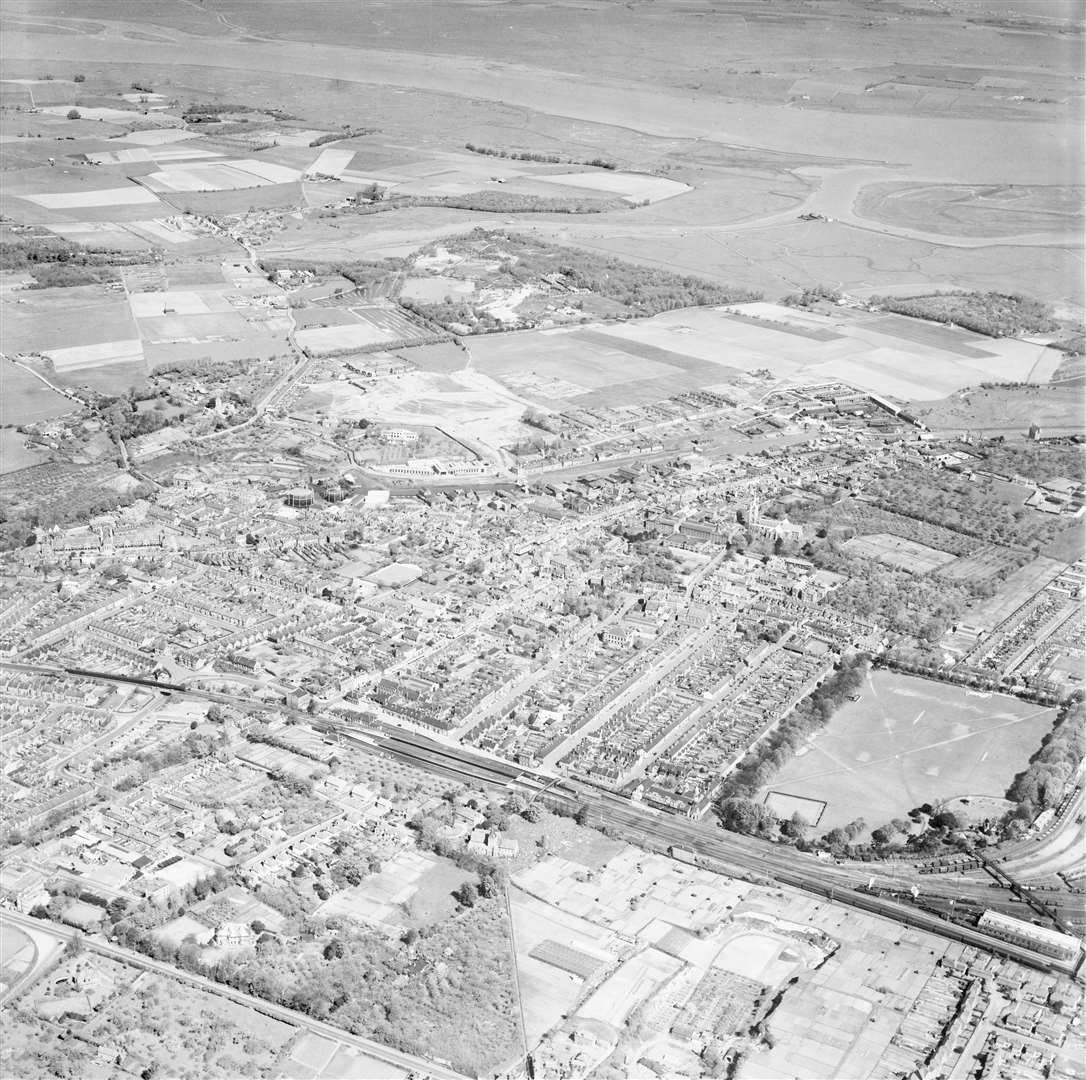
(1038, 938)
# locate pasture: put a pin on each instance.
(44, 319)
(25, 400)
(1010, 411)
(908, 741)
(14, 454)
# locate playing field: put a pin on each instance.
(785, 806)
(908, 741)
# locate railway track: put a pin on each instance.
(740, 856)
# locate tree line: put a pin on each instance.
(993, 314)
(528, 155)
(810, 715)
(1041, 785)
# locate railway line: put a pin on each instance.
(740, 856)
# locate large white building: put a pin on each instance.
(1038, 938)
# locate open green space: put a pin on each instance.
(908, 741)
(25, 400)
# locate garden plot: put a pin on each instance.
(636, 892)
(636, 981)
(547, 991)
(381, 899)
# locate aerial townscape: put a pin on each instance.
(542, 540)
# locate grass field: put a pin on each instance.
(1008, 411)
(25, 399)
(785, 806)
(13, 454)
(908, 741)
(43, 319)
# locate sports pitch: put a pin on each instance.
(908, 741)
